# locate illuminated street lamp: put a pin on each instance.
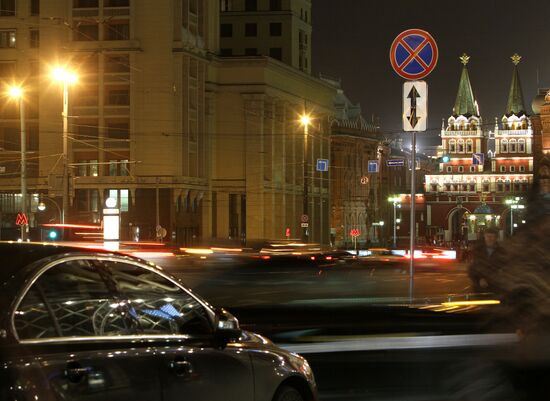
(16, 93)
(42, 206)
(66, 77)
(396, 200)
(305, 121)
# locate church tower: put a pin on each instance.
(463, 135)
(514, 141)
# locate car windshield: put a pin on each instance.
(366, 183)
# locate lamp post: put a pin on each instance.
(305, 121)
(396, 201)
(67, 78)
(42, 206)
(514, 205)
(15, 92)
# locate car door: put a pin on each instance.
(194, 368)
(75, 341)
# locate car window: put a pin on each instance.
(155, 303)
(87, 298)
(70, 299)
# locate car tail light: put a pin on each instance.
(312, 257)
(265, 257)
(328, 257)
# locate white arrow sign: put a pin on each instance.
(415, 106)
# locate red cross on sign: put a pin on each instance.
(354, 232)
(21, 219)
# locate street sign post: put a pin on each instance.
(415, 106)
(395, 162)
(372, 166)
(322, 164)
(413, 56)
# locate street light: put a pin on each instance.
(15, 92)
(396, 200)
(305, 120)
(66, 77)
(42, 206)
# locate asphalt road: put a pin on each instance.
(230, 284)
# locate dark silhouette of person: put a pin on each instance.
(488, 259)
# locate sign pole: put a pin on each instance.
(413, 223)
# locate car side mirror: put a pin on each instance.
(227, 326)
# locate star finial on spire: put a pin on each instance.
(465, 59)
(516, 58)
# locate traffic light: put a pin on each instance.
(52, 234)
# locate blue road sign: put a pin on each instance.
(478, 159)
(322, 164)
(373, 166)
(413, 54)
(395, 162)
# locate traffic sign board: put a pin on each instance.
(478, 159)
(364, 180)
(373, 166)
(21, 219)
(322, 164)
(305, 225)
(304, 218)
(414, 54)
(415, 106)
(395, 162)
(354, 232)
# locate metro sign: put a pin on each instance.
(21, 219)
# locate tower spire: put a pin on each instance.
(515, 103)
(465, 104)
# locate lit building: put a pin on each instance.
(280, 29)
(473, 184)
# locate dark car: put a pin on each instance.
(77, 324)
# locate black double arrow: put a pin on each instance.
(413, 118)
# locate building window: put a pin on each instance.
(118, 130)
(86, 3)
(460, 169)
(502, 169)
(226, 52)
(472, 169)
(460, 146)
(305, 16)
(276, 29)
(469, 146)
(524, 186)
(449, 169)
(117, 30)
(226, 30)
(522, 169)
(504, 146)
(250, 29)
(34, 38)
(251, 5)
(512, 169)
(118, 97)
(250, 51)
(434, 187)
(225, 5)
(448, 187)
(116, 3)
(86, 32)
(35, 7)
(117, 63)
(472, 187)
(275, 5)
(452, 146)
(507, 186)
(486, 186)
(512, 146)
(7, 39)
(521, 146)
(276, 53)
(500, 186)
(7, 8)
(517, 186)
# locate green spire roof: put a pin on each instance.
(465, 104)
(515, 98)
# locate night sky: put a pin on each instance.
(351, 41)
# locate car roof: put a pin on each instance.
(16, 255)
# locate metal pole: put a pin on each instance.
(511, 220)
(65, 152)
(413, 224)
(24, 227)
(394, 225)
(305, 236)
